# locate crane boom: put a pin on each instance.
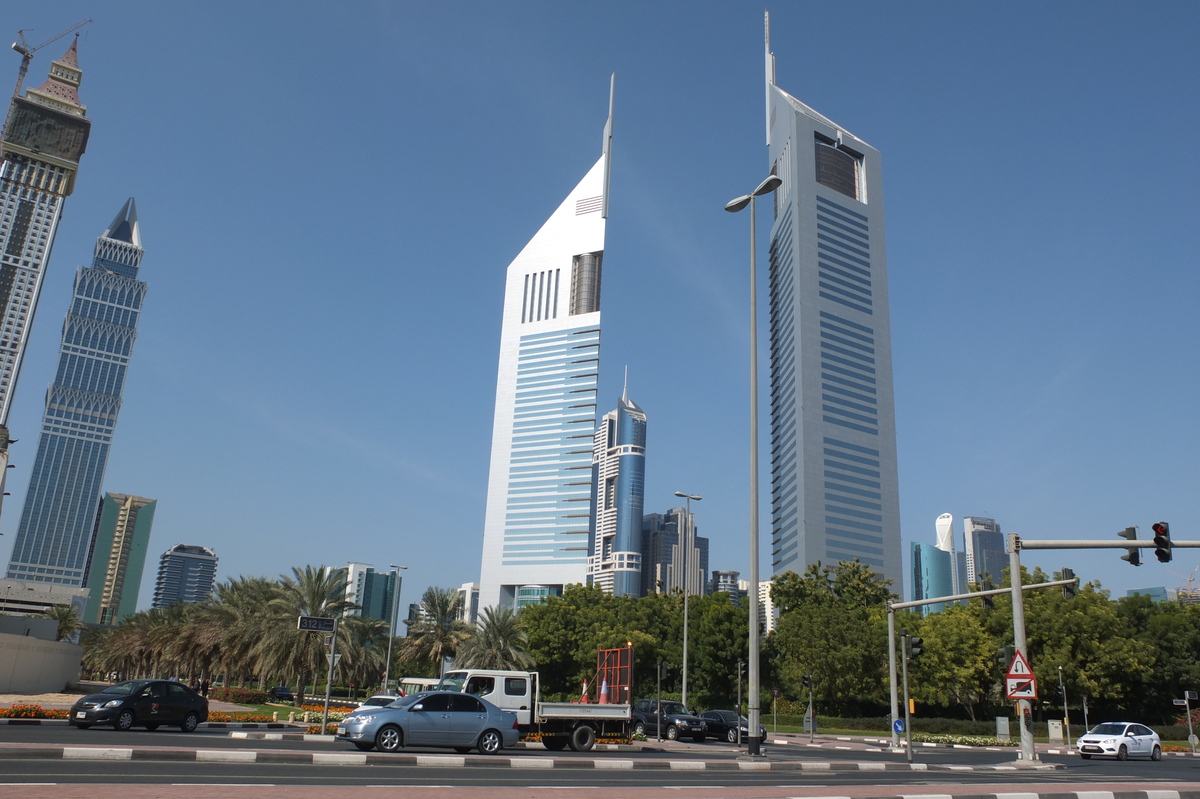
(22, 47)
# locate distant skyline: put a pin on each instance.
(332, 195)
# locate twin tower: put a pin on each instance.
(554, 498)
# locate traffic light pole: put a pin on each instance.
(1024, 706)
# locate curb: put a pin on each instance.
(516, 762)
(329, 739)
(212, 725)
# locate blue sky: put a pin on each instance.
(330, 194)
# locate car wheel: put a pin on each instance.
(151, 727)
(1085, 757)
(1157, 753)
(490, 742)
(555, 743)
(639, 729)
(582, 739)
(672, 733)
(124, 720)
(731, 736)
(389, 739)
(364, 746)
(190, 722)
(1122, 753)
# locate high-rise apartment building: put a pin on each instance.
(674, 558)
(55, 531)
(834, 487)
(539, 505)
(984, 545)
(373, 592)
(619, 487)
(186, 574)
(44, 136)
(117, 557)
(726, 581)
(768, 614)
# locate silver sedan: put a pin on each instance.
(461, 722)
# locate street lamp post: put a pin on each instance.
(752, 689)
(387, 667)
(686, 546)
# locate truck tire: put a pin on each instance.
(555, 743)
(583, 738)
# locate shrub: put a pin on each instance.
(238, 696)
(33, 712)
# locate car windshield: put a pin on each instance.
(674, 709)
(452, 681)
(124, 688)
(1108, 729)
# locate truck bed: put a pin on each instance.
(575, 710)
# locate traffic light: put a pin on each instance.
(914, 647)
(1004, 656)
(1134, 555)
(808, 681)
(1068, 590)
(1162, 541)
(985, 584)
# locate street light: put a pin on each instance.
(733, 206)
(686, 580)
(387, 667)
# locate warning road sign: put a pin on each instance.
(1019, 667)
(1021, 688)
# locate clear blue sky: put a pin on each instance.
(330, 194)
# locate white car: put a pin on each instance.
(1119, 739)
(379, 700)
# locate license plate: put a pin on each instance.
(80, 715)
(341, 731)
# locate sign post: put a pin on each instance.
(322, 624)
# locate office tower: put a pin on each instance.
(673, 556)
(834, 489)
(618, 486)
(373, 592)
(931, 575)
(55, 531)
(186, 574)
(726, 581)
(468, 597)
(538, 516)
(984, 545)
(945, 542)
(45, 133)
(117, 557)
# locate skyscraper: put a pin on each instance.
(54, 534)
(117, 557)
(673, 556)
(374, 592)
(186, 574)
(539, 511)
(984, 544)
(834, 488)
(618, 485)
(44, 136)
(932, 576)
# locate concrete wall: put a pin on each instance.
(35, 666)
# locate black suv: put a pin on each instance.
(674, 717)
(281, 693)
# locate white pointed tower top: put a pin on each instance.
(608, 133)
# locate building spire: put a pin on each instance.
(61, 88)
(769, 59)
(125, 226)
(625, 387)
(608, 130)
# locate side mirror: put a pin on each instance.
(418, 706)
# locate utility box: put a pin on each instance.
(809, 723)
(1002, 729)
(1056, 730)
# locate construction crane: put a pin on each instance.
(22, 47)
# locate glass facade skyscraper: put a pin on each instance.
(984, 545)
(117, 557)
(539, 505)
(619, 488)
(55, 531)
(186, 574)
(44, 136)
(931, 576)
(834, 487)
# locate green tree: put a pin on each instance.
(364, 651)
(68, 620)
(438, 632)
(956, 666)
(498, 642)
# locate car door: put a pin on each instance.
(1145, 739)
(179, 701)
(427, 722)
(468, 717)
(147, 704)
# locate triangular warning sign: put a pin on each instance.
(1019, 667)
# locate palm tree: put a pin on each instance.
(313, 591)
(364, 650)
(438, 632)
(498, 643)
(68, 620)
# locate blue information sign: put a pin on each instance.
(898, 726)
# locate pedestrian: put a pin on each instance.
(195, 685)
(204, 688)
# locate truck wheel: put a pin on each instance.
(583, 738)
(555, 743)
(639, 729)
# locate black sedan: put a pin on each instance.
(142, 703)
(724, 724)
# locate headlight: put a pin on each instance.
(353, 719)
(114, 703)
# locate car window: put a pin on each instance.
(673, 708)
(516, 686)
(481, 685)
(1138, 729)
(436, 702)
(465, 703)
(177, 691)
(123, 688)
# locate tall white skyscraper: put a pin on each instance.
(539, 505)
(834, 489)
